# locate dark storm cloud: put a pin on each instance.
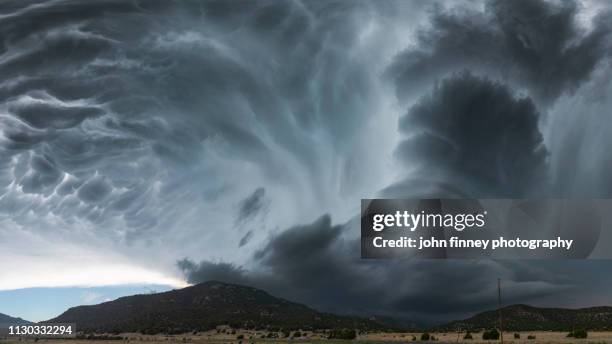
(42, 177)
(537, 45)
(529, 56)
(95, 190)
(246, 238)
(252, 205)
(474, 134)
(44, 115)
(301, 252)
(319, 265)
(209, 271)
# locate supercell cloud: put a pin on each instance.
(476, 136)
(241, 136)
(538, 47)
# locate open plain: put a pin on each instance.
(261, 337)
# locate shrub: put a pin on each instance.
(580, 333)
(491, 334)
(517, 336)
(297, 334)
(468, 335)
(240, 336)
(531, 336)
(425, 336)
(413, 337)
(342, 334)
(286, 333)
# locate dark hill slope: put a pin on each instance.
(5, 319)
(202, 307)
(527, 318)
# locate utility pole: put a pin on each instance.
(501, 327)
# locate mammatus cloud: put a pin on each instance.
(142, 126)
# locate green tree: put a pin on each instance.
(491, 334)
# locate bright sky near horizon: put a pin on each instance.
(38, 304)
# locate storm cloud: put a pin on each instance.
(137, 133)
(539, 46)
(146, 117)
(252, 205)
(480, 86)
(474, 134)
(319, 264)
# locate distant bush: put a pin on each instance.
(580, 333)
(342, 334)
(468, 335)
(99, 337)
(240, 336)
(413, 337)
(297, 334)
(286, 333)
(425, 336)
(531, 336)
(491, 334)
(517, 336)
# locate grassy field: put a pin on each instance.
(213, 337)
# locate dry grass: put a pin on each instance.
(212, 337)
(541, 337)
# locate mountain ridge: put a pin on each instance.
(522, 317)
(203, 307)
(207, 305)
(7, 319)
